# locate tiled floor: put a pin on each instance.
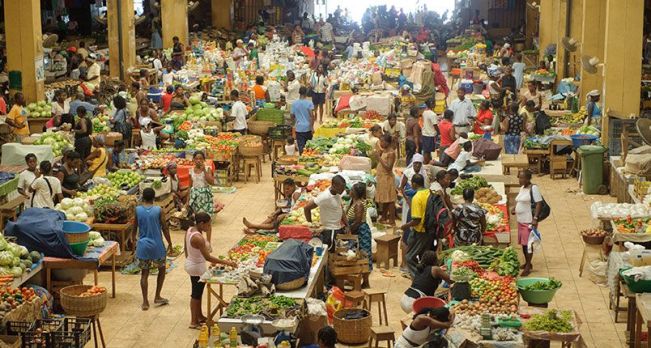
(125, 325)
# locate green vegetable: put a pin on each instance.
(484, 255)
(35, 256)
(474, 183)
(507, 264)
(271, 307)
(551, 321)
(551, 284)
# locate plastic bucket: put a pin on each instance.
(427, 302)
(582, 139)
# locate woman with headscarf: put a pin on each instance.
(593, 116)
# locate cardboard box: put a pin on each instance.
(309, 327)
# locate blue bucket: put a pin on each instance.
(579, 140)
(74, 227)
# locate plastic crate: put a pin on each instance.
(272, 115)
(9, 186)
(635, 286)
(16, 328)
(75, 333)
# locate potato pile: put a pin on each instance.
(487, 195)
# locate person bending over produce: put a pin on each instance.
(331, 209)
(197, 251)
(290, 194)
(150, 250)
(428, 327)
(469, 221)
(427, 279)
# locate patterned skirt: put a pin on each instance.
(365, 243)
(201, 200)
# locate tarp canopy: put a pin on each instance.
(292, 260)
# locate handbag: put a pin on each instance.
(545, 210)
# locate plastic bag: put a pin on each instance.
(535, 239)
(334, 302)
(597, 272)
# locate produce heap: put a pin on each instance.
(254, 247)
(350, 144)
(41, 109)
(76, 209)
(272, 307)
(124, 179)
(56, 140)
(552, 320)
(475, 183)
(16, 259)
(11, 298)
(633, 225)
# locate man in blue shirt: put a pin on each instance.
(303, 117)
(79, 101)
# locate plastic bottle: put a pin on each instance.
(284, 344)
(203, 336)
(215, 337)
(233, 338)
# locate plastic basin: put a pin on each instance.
(75, 227)
(582, 139)
(534, 296)
(79, 248)
(427, 302)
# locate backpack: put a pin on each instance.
(437, 217)
(545, 210)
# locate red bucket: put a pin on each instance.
(427, 302)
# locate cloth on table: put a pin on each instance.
(14, 153)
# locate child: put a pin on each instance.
(150, 250)
(327, 337)
(290, 147)
(464, 161)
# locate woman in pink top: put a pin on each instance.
(197, 252)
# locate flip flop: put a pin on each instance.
(195, 326)
(388, 274)
(144, 307)
(162, 302)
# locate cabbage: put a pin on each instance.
(15, 262)
(13, 247)
(3, 243)
(74, 210)
(66, 203)
(92, 235)
(78, 202)
(28, 263)
(17, 271)
(81, 216)
(23, 251)
(6, 258)
(459, 256)
(5, 271)
(97, 242)
(88, 209)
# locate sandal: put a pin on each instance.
(161, 302)
(195, 326)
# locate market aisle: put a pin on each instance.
(125, 325)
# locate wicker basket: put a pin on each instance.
(593, 240)
(260, 127)
(355, 331)
(291, 285)
(248, 151)
(90, 306)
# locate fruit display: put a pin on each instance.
(101, 124)
(41, 109)
(552, 320)
(487, 195)
(484, 255)
(253, 246)
(475, 183)
(594, 232)
(124, 178)
(101, 190)
(77, 209)
(493, 294)
(272, 307)
(10, 298)
(93, 291)
(198, 111)
(632, 225)
(56, 140)
(297, 217)
(589, 130)
(297, 169)
(496, 217)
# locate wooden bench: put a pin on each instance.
(514, 161)
(11, 209)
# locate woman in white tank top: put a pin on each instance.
(428, 326)
(197, 252)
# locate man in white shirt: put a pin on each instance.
(239, 111)
(430, 121)
(332, 211)
(293, 87)
(26, 177)
(45, 188)
(93, 74)
(464, 112)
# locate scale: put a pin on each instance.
(252, 329)
(284, 327)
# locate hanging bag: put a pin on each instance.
(545, 210)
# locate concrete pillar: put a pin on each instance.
(576, 31)
(122, 37)
(222, 13)
(622, 60)
(592, 42)
(560, 14)
(174, 16)
(546, 28)
(25, 46)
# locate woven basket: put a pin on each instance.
(593, 240)
(355, 331)
(260, 127)
(90, 306)
(251, 150)
(291, 285)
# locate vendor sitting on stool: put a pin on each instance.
(291, 194)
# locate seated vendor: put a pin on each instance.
(425, 281)
(427, 329)
(181, 194)
(98, 159)
(260, 91)
(291, 193)
(464, 162)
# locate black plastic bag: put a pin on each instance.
(292, 260)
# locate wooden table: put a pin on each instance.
(630, 312)
(643, 315)
(125, 233)
(96, 257)
(514, 161)
(537, 155)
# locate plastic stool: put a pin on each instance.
(378, 296)
(382, 333)
(387, 249)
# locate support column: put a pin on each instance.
(560, 14)
(25, 46)
(592, 43)
(122, 37)
(622, 60)
(546, 27)
(174, 16)
(576, 31)
(222, 13)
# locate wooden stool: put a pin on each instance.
(277, 145)
(379, 297)
(356, 298)
(249, 162)
(382, 333)
(387, 249)
(94, 322)
(355, 279)
(10, 210)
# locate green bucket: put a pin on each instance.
(79, 248)
(534, 296)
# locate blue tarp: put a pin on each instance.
(292, 260)
(41, 229)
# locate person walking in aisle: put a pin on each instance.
(528, 205)
(430, 130)
(197, 251)
(303, 117)
(150, 250)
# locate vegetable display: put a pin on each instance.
(550, 284)
(101, 124)
(10, 298)
(16, 259)
(56, 140)
(507, 264)
(487, 195)
(126, 178)
(475, 183)
(40, 109)
(484, 255)
(594, 232)
(77, 209)
(631, 225)
(93, 291)
(492, 294)
(551, 321)
(271, 307)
